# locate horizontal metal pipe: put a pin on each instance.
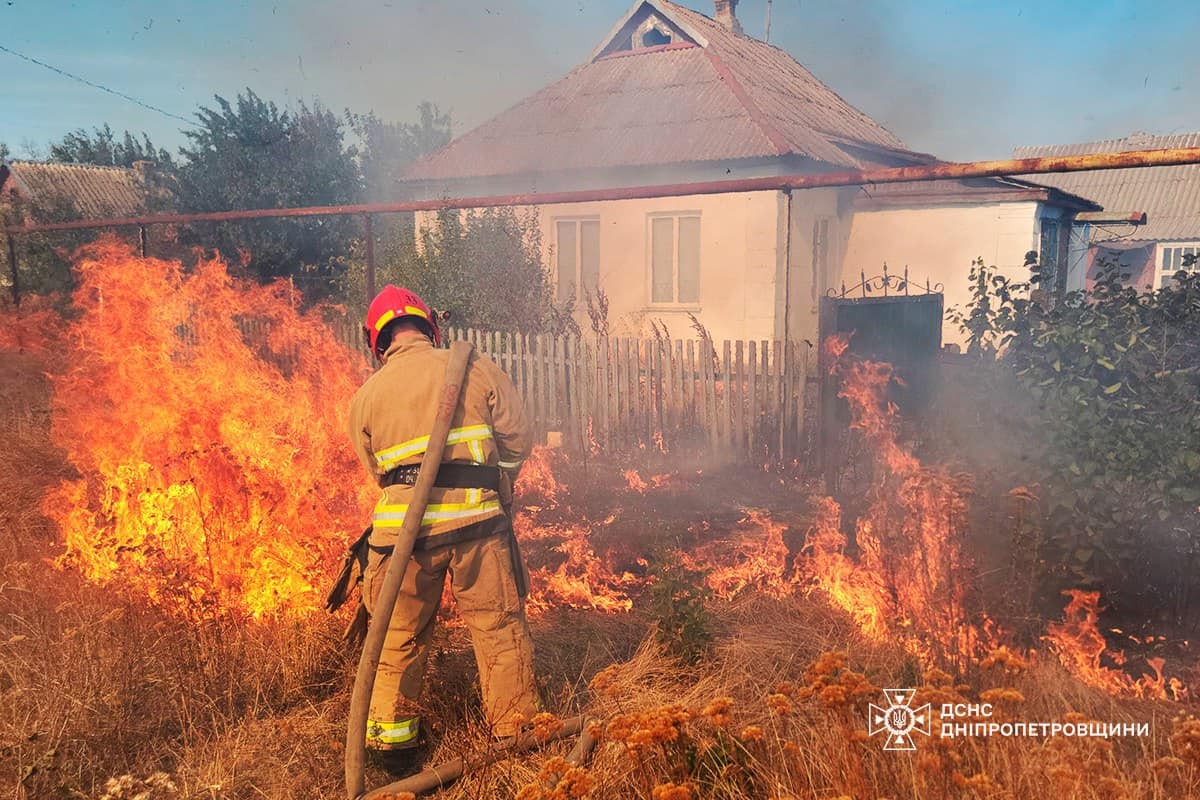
(922, 172)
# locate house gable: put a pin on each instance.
(673, 92)
(637, 28)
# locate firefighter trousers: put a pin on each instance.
(488, 600)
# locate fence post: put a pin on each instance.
(752, 398)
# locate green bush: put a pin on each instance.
(677, 604)
(1115, 378)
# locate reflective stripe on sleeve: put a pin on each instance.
(508, 464)
(472, 434)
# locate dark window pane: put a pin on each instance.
(567, 250)
(689, 259)
(662, 248)
(589, 254)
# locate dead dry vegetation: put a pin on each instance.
(102, 696)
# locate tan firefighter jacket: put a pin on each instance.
(391, 417)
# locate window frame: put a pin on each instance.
(674, 304)
(1162, 274)
(577, 220)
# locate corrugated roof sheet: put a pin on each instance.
(736, 98)
(974, 190)
(1170, 196)
(97, 192)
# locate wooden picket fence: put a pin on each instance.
(743, 402)
(740, 402)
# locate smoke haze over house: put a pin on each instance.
(959, 81)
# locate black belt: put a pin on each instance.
(449, 476)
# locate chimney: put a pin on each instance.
(727, 15)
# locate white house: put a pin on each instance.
(672, 96)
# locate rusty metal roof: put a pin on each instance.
(1170, 196)
(713, 95)
(96, 192)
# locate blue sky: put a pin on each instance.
(962, 80)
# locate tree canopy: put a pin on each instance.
(248, 154)
(102, 146)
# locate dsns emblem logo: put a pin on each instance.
(898, 719)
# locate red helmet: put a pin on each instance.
(395, 303)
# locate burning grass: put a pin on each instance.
(157, 639)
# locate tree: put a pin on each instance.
(251, 154)
(1114, 375)
(386, 147)
(4, 152)
(484, 266)
(102, 147)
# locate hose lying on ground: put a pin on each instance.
(441, 775)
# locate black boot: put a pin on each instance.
(397, 763)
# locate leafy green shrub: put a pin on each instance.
(677, 603)
(1115, 376)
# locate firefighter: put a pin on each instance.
(466, 531)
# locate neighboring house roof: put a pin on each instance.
(709, 95)
(1170, 196)
(96, 192)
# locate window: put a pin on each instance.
(1050, 256)
(675, 258)
(1172, 261)
(578, 257)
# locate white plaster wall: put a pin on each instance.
(939, 243)
(740, 241)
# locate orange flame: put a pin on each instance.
(756, 558)
(1082, 649)
(906, 581)
(211, 480)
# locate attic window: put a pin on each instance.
(653, 32)
(654, 38)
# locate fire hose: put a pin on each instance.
(438, 776)
(385, 603)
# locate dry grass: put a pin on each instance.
(102, 697)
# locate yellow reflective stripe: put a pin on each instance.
(413, 311)
(508, 464)
(474, 495)
(404, 730)
(384, 319)
(392, 456)
(476, 451)
(392, 516)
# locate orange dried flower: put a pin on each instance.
(752, 733)
(672, 791)
(718, 711)
(1002, 695)
(603, 680)
(546, 725)
(779, 703)
(1002, 656)
(833, 695)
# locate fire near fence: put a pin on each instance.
(739, 401)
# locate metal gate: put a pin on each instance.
(886, 318)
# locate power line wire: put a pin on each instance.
(85, 81)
